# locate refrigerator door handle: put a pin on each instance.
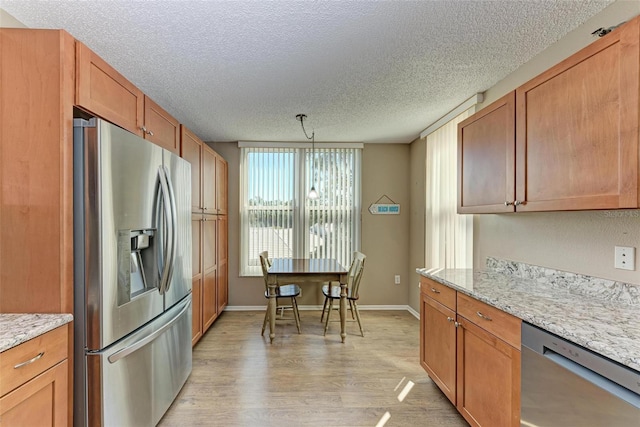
(168, 239)
(120, 354)
(171, 259)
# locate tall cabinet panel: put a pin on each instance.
(36, 171)
(210, 264)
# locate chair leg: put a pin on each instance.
(352, 310)
(324, 307)
(355, 305)
(264, 324)
(326, 322)
(296, 314)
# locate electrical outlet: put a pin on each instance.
(625, 258)
(397, 279)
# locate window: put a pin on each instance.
(277, 216)
(449, 236)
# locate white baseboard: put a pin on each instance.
(319, 307)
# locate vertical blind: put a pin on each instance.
(277, 216)
(449, 236)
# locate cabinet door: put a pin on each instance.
(101, 90)
(221, 185)
(191, 151)
(577, 129)
(222, 280)
(209, 254)
(488, 378)
(197, 278)
(39, 402)
(438, 345)
(208, 180)
(486, 159)
(160, 127)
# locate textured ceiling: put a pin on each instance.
(366, 71)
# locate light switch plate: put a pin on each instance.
(625, 258)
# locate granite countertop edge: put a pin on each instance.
(577, 318)
(16, 329)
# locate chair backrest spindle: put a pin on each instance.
(355, 272)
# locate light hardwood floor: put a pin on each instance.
(239, 379)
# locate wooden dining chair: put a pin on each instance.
(331, 291)
(291, 291)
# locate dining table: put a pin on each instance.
(284, 271)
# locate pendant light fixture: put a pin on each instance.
(313, 194)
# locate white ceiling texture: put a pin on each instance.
(365, 71)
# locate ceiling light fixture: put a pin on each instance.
(313, 194)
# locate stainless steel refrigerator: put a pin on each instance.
(132, 251)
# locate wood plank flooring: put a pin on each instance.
(239, 379)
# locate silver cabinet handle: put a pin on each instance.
(508, 203)
(458, 324)
(145, 130)
(484, 316)
(30, 361)
(435, 291)
(450, 319)
(519, 202)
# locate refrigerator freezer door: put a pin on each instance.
(134, 382)
(179, 174)
(122, 188)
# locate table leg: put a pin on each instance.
(343, 310)
(271, 308)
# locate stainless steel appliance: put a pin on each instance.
(132, 250)
(564, 385)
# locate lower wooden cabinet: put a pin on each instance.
(472, 352)
(488, 377)
(34, 389)
(438, 345)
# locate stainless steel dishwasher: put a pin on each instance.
(566, 385)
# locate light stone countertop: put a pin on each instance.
(18, 328)
(601, 315)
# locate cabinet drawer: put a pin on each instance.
(45, 351)
(439, 292)
(501, 324)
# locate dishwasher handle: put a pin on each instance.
(593, 377)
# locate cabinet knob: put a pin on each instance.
(435, 291)
(519, 202)
(509, 203)
(458, 324)
(149, 133)
(450, 319)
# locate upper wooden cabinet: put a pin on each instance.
(486, 159)
(160, 127)
(577, 129)
(102, 90)
(209, 157)
(576, 136)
